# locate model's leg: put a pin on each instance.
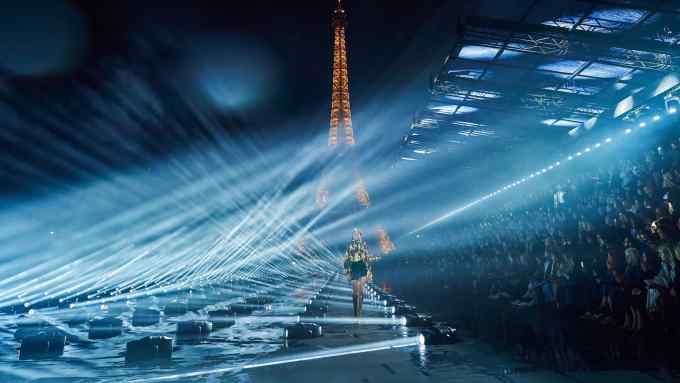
(361, 297)
(355, 297)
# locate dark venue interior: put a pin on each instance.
(340, 191)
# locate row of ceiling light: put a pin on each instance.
(556, 164)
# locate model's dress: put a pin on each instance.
(355, 265)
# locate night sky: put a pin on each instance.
(296, 35)
(121, 74)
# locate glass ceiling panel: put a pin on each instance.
(465, 69)
(510, 54)
(467, 124)
(623, 15)
(587, 84)
(600, 26)
(564, 22)
(476, 52)
(476, 133)
(450, 110)
(562, 123)
(600, 70)
(563, 66)
(466, 109)
(548, 76)
(444, 109)
(605, 20)
(455, 97)
(524, 60)
(473, 74)
(483, 95)
(505, 74)
(576, 88)
(620, 85)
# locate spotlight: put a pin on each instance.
(240, 309)
(259, 301)
(578, 154)
(418, 320)
(105, 328)
(30, 328)
(145, 317)
(570, 158)
(656, 118)
(404, 310)
(672, 103)
(42, 345)
(302, 331)
(608, 140)
(316, 309)
(175, 309)
(76, 320)
(628, 131)
(193, 331)
(598, 145)
(587, 150)
(438, 335)
(221, 318)
(149, 348)
(643, 124)
(557, 163)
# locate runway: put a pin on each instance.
(377, 349)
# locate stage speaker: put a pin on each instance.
(149, 348)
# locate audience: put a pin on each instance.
(583, 275)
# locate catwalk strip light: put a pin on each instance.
(342, 351)
(518, 182)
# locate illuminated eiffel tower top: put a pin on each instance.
(340, 133)
(341, 116)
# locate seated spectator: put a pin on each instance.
(603, 245)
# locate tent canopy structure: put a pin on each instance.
(536, 74)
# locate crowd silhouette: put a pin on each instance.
(585, 274)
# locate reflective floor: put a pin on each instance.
(377, 349)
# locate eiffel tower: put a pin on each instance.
(341, 139)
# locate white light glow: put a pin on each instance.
(303, 357)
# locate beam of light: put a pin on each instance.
(392, 321)
(303, 357)
(368, 306)
(512, 185)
